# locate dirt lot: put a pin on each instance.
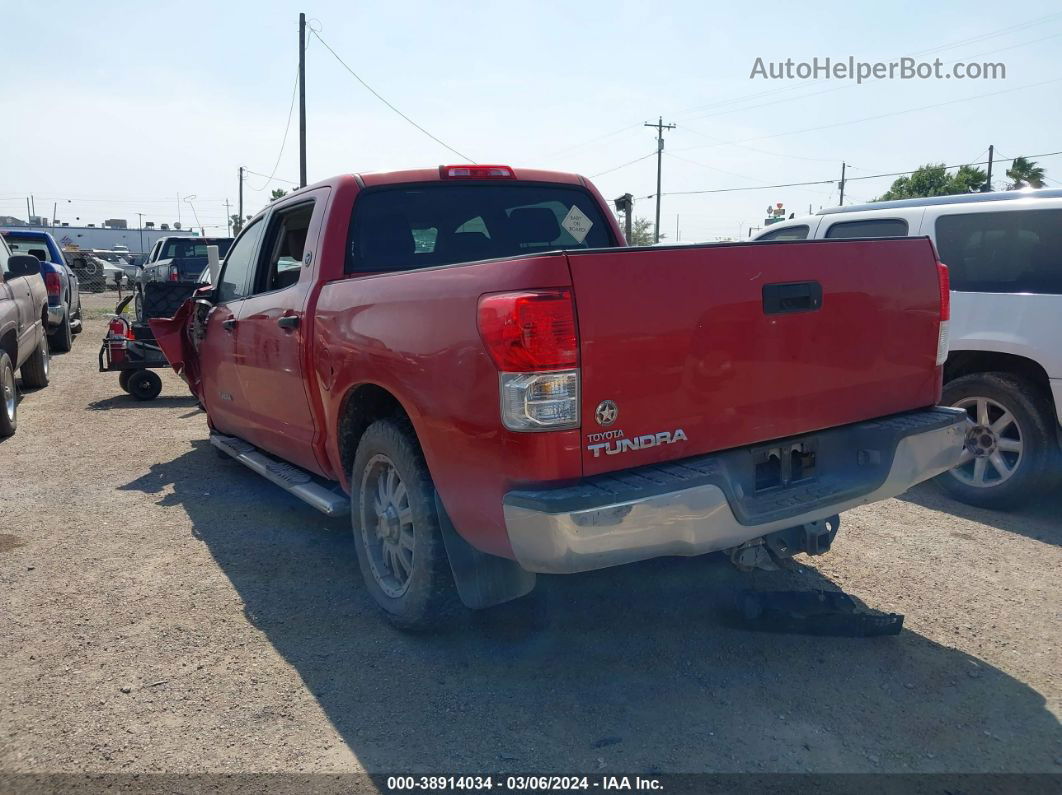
(163, 610)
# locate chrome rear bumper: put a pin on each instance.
(567, 530)
(56, 315)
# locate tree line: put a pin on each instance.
(933, 179)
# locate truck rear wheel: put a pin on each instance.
(8, 396)
(396, 529)
(35, 369)
(1008, 440)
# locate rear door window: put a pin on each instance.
(1003, 252)
(789, 233)
(871, 227)
(281, 259)
(420, 226)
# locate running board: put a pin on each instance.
(289, 477)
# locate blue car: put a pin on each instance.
(64, 303)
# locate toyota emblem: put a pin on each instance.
(606, 412)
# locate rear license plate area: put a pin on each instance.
(782, 465)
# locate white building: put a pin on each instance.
(101, 237)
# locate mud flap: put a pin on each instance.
(482, 580)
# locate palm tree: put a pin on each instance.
(1025, 172)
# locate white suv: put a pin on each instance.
(1004, 254)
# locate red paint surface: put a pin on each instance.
(676, 337)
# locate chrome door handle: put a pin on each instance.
(228, 324)
(288, 322)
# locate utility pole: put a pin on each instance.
(302, 100)
(178, 207)
(228, 220)
(29, 211)
(843, 165)
(625, 205)
(141, 223)
(240, 211)
(660, 127)
(677, 236)
(991, 157)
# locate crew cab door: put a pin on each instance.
(216, 357)
(272, 333)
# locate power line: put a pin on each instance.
(284, 140)
(953, 45)
(273, 179)
(879, 116)
(782, 89)
(830, 181)
(624, 165)
(388, 104)
(760, 151)
(722, 171)
(593, 140)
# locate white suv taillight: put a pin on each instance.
(945, 312)
(175, 275)
(531, 337)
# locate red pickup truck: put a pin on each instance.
(502, 387)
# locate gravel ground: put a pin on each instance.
(163, 610)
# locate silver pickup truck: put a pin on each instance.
(23, 339)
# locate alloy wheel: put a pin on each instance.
(994, 444)
(387, 526)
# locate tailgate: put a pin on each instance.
(738, 344)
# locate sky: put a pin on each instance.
(116, 108)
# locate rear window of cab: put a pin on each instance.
(419, 226)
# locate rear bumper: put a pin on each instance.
(705, 504)
(56, 315)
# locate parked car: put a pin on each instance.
(1004, 254)
(122, 260)
(94, 273)
(176, 259)
(503, 388)
(64, 297)
(23, 337)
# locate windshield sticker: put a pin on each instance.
(576, 224)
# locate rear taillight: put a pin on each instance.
(53, 283)
(527, 331)
(945, 312)
(531, 338)
(175, 275)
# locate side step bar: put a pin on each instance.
(290, 478)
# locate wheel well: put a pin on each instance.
(361, 408)
(962, 363)
(9, 344)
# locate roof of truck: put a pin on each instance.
(32, 234)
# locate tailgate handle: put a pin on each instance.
(780, 299)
